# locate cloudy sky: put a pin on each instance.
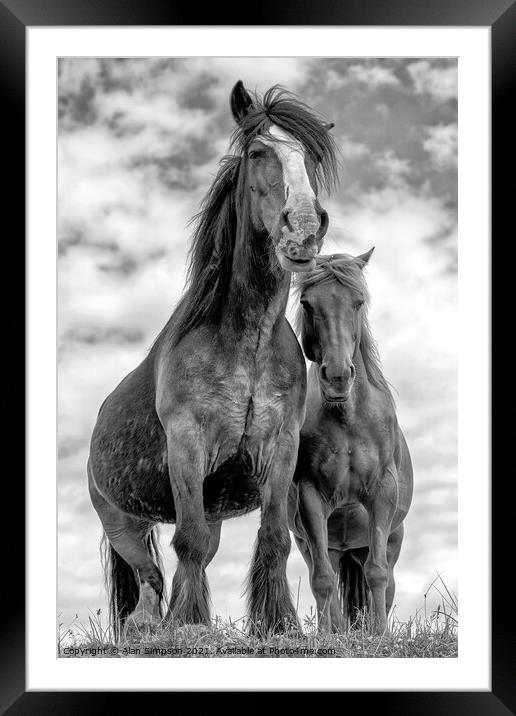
(139, 144)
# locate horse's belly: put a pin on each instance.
(147, 495)
(228, 492)
(128, 459)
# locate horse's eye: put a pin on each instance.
(256, 154)
(357, 305)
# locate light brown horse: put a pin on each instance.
(207, 426)
(353, 481)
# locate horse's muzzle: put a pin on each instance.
(302, 234)
(336, 385)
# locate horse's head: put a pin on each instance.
(281, 174)
(331, 321)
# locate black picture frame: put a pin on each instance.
(15, 17)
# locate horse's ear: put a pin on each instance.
(329, 126)
(241, 102)
(363, 259)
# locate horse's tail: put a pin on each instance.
(121, 583)
(352, 586)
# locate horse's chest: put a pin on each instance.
(251, 424)
(253, 418)
(347, 471)
(259, 395)
(244, 401)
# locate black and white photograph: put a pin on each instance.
(257, 357)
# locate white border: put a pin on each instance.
(471, 670)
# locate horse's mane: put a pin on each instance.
(343, 269)
(211, 252)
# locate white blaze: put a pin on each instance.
(291, 155)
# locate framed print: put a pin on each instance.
(138, 121)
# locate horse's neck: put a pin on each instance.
(258, 293)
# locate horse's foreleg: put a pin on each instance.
(337, 622)
(393, 552)
(270, 605)
(323, 580)
(381, 509)
(189, 602)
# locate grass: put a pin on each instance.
(425, 635)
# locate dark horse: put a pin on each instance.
(353, 482)
(207, 426)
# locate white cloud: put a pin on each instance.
(441, 144)
(350, 149)
(439, 82)
(394, 168)
(257, 73)
(382, 109)
(74, 71)
(372, 75)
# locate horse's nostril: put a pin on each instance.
(338, 374)
(284, 220)
(348, 373)
(324, 220)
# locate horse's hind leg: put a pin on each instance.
(338, 620)
(143, 588)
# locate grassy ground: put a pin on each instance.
(423, 636)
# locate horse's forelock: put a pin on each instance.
(285, 110)
(337, 267)
(343, 269)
